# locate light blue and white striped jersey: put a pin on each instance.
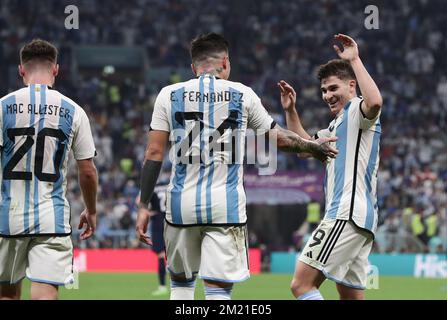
(38, 127)
(351, 179)
(201, 113)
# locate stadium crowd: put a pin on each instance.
(270, 40)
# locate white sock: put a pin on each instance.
(311, 295)
(212, 293)
(182, 290)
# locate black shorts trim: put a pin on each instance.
(335, 241)
(354, 181)
(331, 241)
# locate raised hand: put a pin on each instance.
(288, 95)
(350, 49)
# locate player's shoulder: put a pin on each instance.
(354, 102)
(353, 106)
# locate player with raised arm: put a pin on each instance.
(338, 249)
(206, 119)
(38, 127)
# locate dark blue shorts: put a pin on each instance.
(157, 225)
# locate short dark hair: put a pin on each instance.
(208, 45)
(38, 50)
(340, 68)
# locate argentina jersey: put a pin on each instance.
(351, 178)
(39, 126)
(207, 119)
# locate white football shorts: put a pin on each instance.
(340, 251)
(215, 253)
(41, 259)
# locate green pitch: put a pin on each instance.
(137, 286)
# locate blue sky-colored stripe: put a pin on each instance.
(32, 94)
(58, 196)
(233, 169)
(177, 105)
(209, 215)
(9, 121)
(340, 164)
(371, 202)
(201, 167)
(43, 101)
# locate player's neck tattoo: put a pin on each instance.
(214, 72)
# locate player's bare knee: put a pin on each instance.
(296, 287)
(300, 287)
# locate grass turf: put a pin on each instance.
(138, 286)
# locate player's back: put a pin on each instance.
(38, 128)
(207, 119)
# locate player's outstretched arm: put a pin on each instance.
(320, 149)
(370, 92)
(288, 102)
(88, 182)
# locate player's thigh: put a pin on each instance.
(50, 260)
(224, 254)
(13, 259)
(183, 251)
(333, 247)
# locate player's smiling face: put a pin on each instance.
(337, 92)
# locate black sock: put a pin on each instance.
(161, 271)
